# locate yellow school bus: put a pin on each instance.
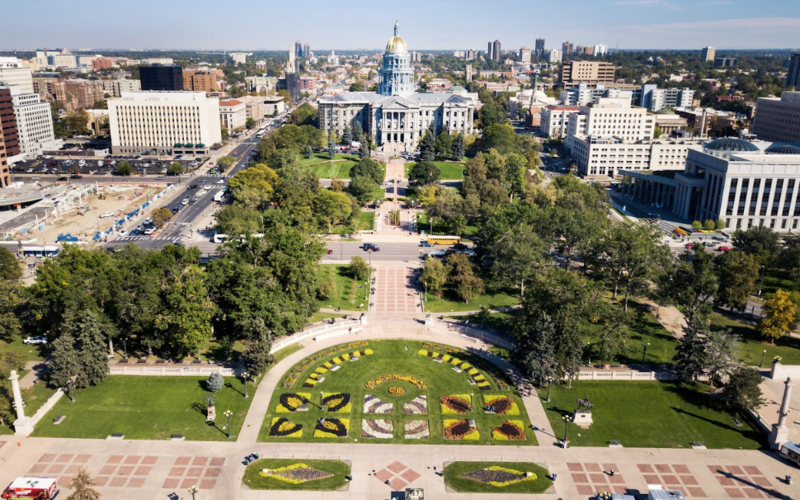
(444, 240)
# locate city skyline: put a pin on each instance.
(181, 25)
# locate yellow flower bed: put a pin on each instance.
(419, 384)
(498, 484)
(368, 352)
(293, 402)
(330, 425)
(490, 400)
(423, 352)
(274, 473)
(287, 426)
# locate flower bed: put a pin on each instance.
(332, 428)
(456, 404)
(298, 369)
(510, 430)
(417, 406)
(503, 405)
(313, 378)
(295, 473)
(374, 405)
(500, 379)
(460, 429)
(500, 476)
(419, 384)
(377, 428)
(416, 429)
(396, 390)
(282, 427)
(289, 402)
(338, 402)
(471, 371)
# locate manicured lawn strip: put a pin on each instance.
(650, 415)
(753, 345)
(454, 470)
(324, 158)
(451, 171)
(286, 352)
(143, 407)
(449, 303)
(256, 482)
(332, 169)
(392, 357)
(347, 296)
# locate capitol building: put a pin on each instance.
(396, 116)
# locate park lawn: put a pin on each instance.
(753, 345)
(141, 407)
(348, 295)
(400, 357)
(439, 227)
(454, 470)
(451, 171)
(333, 169)
(650, 415)
(500, 321)
(34, 398)
(285, 353)
(255, 481)
(449, 303)
(366, 221)
(324, 158)
(30, 352)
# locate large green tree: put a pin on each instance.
(694, 282)
(759, 241)
(424, 173)
(690, 354)
(367, 167)
(738, 272)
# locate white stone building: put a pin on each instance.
(159, 123)
(396, 116)
(555, 120)
(233, 115)
(12, 72)
(778, 119)
(34, 122)
(115, 88)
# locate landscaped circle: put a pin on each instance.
(396, 390)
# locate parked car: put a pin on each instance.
(149, 231)
(724, 248)
(38, 339)
(690, 245)
(106, 214)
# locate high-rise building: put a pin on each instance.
(469, 74)
(239, 57)
(8, 122)
(778, 119)
(164, 123)
(298, 49)
(539, 47)
(553, 56)
(490, 52)
(5, 175)
(161, 78)
(793, 75)
(116, 87)
(306, 50)
(12, 72)
(496, 50)
(566, 48)
(525, 54)
(600, 50)
(724, 62)
(200, 81)
(708, 54)
(656, 99)
(471, 54)
(34, 122)
(81, 94)
(574, 72)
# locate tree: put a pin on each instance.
(709, 224)
(215, 382)
(259, 177)
(124, 168)
(185, 317)
(64, 361)
(327, 288)
(427, 145)
(9, 360)
(743, 391)
(693, 283)
(235, 219)
(224, 133)
(434, 275)
(443, 145)
(424, 173)
(225, 162)
(77, 122)
(722, 355)
(331, 149)
(332, 208)
(11, 301)
(697, 225)
(356, 87)
(463, 278)
(779, 315)
(760, 241)
(10, 268)
(721, 224)
(256, 358)
(738, 273)
(690, 354)
(362, 188)
(337, 185)
(358, 132)
(250, 123)
(363, 149)
(309, 152)
(161, 216)
(81, 486)
(175, 168)
(86, 328)
(358, 268)
(535, 350)
(347, 135)
(516, 256)
(458, 147)
(367, 167)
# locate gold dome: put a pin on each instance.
(396, 44)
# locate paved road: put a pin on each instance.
(389, 252)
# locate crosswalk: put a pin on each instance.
(149, 238)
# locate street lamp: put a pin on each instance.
(549, 383)
(125, 346)
(566, 427)
(72, 388)
(763, 354)
(193, 490)
(644, 353)
(228, 414)
(244, 376)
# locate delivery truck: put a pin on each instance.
(41, 488)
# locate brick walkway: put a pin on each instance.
(396, 295)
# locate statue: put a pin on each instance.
(584, 403)
(583, 414)
(396, 27)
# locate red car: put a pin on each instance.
(724, 249)
(690, 245)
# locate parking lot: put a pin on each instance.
(58, 168)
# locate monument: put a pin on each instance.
(780, 433)
(23, 426)
(583, 414)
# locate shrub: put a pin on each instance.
(215, 382)
(697, 225)
(710, 224)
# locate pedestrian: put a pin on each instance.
(555, 476)
(612, 473)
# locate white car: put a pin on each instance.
(149, 231)
(221, 181)
(35, 340)
(148, 220)
(185, 201)
(106, 214)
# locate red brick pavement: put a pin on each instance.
(675, 476)
(190, 471)
(744, 482)
(396, 296)
(591, 478)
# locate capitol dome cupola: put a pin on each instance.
(397, 76)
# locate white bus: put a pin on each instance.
(220, 238)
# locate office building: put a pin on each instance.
(200, 81)
(793, 75)
(5, 173)
(746, 184)
(493, 52)
(396, 116)
(102, 63)
(469, 73)
(239, 57)
(669, 123)
(724, 62)
(164, 123)
(255, 108)
(115, 88)
(298, 49)
(161, 78)
(778, 119)
(63, 60)
(525, 54)
(8, 122)
(553, 56)
(12, 72)
(555, 119)
(584, 94)
(80, 94)
(600, 50)
(233, 115)
(566, 48)
(575, 72)
(656, 99)
(708, 54)
(34, 123)
(273, 105)
(539, 47)
(306, 50)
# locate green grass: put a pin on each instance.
(257, 482)
(454, 470)
(449, 303)
(285, 352)
(332, 169)
(348, 295)
(34, 398)
(147, 408)
(778, 279)
(439, 227)
(30, 352)
(393, 357)
(366, 221)
(753, 345)
(451, 171)
(649, 415)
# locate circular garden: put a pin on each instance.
(396, 391)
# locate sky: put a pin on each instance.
(425, 24)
